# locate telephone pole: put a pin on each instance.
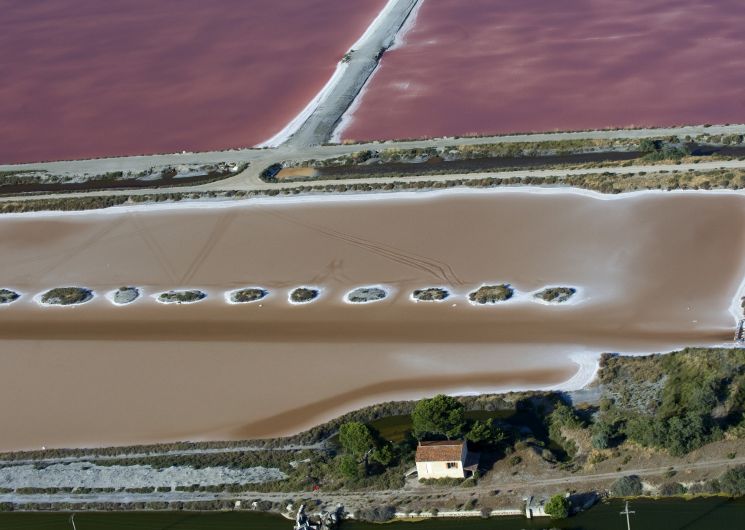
(626, 512)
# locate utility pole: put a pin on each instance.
(626, 512)
(72, 521)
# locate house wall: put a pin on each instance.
(439, 470)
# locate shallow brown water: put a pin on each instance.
(486, 66)
(655, 272)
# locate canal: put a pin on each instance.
(668, 514)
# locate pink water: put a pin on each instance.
(86, 78)
(482, 66)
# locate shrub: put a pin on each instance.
(670, 489)
(558, 507)
(732, 482)
(629, 486)
(376, 514)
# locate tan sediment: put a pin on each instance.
(655, 271)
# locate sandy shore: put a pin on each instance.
(345, 198)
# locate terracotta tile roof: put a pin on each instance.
(443, 451)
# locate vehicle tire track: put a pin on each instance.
(69, 253)
(154, 247)
(440, 270)
(223, 223)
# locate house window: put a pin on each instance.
(452, 465)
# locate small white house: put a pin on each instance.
(442, 459)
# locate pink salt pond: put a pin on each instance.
(86, 79)
(485, 66)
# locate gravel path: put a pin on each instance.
(87, 475)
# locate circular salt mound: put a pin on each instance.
(67, 296)
(126, 295)
(8, 297)
(303, 295)
(491, 294)
(556, 294)
(251, 294)
(182, 297)
(363, 295)
(431, 294)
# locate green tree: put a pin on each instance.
(358, 441)
(356, 438)
(384, 455)
(350, 467)
(558, 507)
(441, 415)
(485, 433)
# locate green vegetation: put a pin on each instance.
(657, 149)
(371, 449)
(244, 296)
(675, 402)
(303, 295)
(362, 445)
(733, 481)
(7, 296)
(440, 416)
(188, 296)
(558, 507)
(556, 294)
(485, 433)
(67, 296)
(431, 294)
(630, 486)
(476, 151)
(601, 182)
(491, 294)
